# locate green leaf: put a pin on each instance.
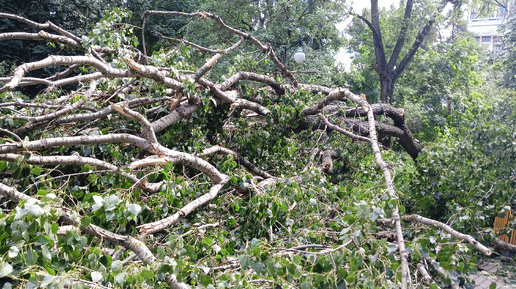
(492, 286)
(206, 280)
(32, 284)
(245, 261)
(42, 192)
(3, 165)
(207, 241)
(77, 192)
(147, 274)
(169, 166)
(120, 278)
(36, 171)
(350, 278)
(54, 228)
(110, 215)
(433, 286)
(305, 285)
(30, 258)
(106, 260)
(50, 271)
(112, 202)
(135, 209)
(117, 266)
(255, 243)
(42, 240)
(47, 280)
(85, 221)
(271, 269)
(46, 253)
(258, 267)
(392, 247)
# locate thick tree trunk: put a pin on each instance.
(390, 69)
(386, 88)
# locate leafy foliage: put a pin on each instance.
(509, 54)
(312, 229)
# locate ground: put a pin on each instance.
(498, 269)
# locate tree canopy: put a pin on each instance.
(167, 146)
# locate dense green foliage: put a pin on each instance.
(464, 177)
(510, 54)
(283, 24)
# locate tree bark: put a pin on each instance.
(387, 88)
(390, 70)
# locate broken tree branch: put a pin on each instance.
(247, 164)
(426, 221)
(150, 228)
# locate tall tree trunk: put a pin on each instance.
(389, 70)
(449, 104)
(386, 88)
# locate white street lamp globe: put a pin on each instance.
(299, 56)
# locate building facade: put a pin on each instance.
(487, 29)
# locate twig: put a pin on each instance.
(11, 133)
(198, 229)
(200, 48)
(341, 130)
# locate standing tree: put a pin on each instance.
(389, 68)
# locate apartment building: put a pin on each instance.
(487, 29)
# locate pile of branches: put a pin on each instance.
(75, 112)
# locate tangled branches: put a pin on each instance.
(126, 104)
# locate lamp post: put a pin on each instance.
(299, 56)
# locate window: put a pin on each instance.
(477, 38)
(497, 39)
(486, 38)
(499, 47)
(473, 15)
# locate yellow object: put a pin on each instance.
(501, 223)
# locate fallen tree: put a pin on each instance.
(131, 157)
